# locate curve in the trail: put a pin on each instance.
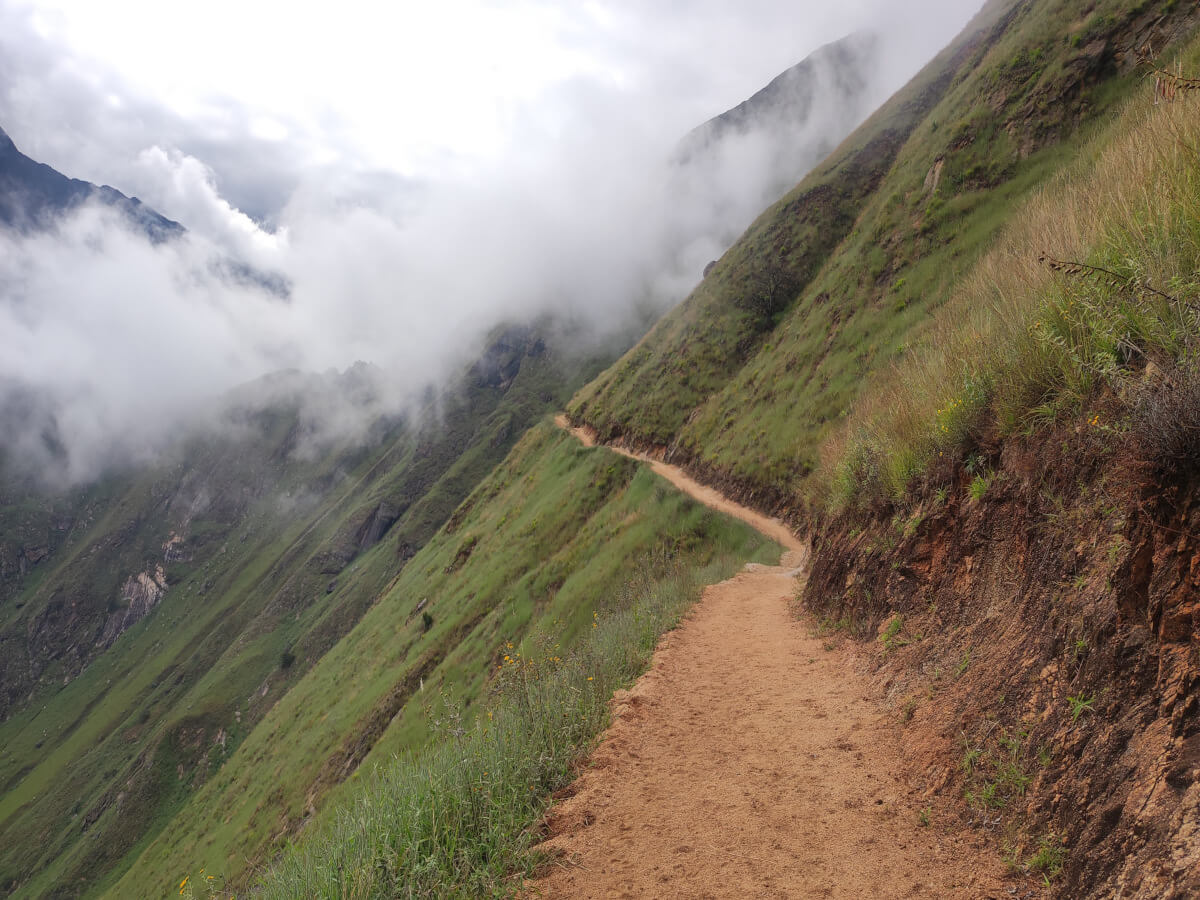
(752, 761)
(771, 527)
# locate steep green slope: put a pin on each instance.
(648, 395)
(747, 377)
(1019, 500)
(548, 540)
(248, 560)
(1020, 495)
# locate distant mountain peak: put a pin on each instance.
(33, 195)
(791, 96)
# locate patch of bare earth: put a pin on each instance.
(752, 762)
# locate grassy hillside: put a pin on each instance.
(1016, 507)
(275, 557)
(1000, 263)
(546, 545)
(746, 378)
(1087, 306)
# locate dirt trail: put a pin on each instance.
(752, 762)
(772, 528)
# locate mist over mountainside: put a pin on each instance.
(33, 195)
(590, 218)
(142, 552)
(303, 593)
(786, 128)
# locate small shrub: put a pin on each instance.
(963, 664)
(768, 292)
(426, 621)
(888, 638)
(1080, 705)
(1166, 422)
(286, 658)
(979, 486)
(1050, 856)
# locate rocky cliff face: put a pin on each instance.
(139, 595)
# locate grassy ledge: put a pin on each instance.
(459, 818)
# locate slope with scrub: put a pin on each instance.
(983, 406)
(249, 557)
(839, 277)
(531, 560)
(1016, 511)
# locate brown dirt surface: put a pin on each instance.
(772, 528)
(752, 761)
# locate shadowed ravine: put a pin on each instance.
(752, 761)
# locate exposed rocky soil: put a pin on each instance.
(1040, 647)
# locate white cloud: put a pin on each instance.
(568, 204)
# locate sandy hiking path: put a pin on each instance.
(772, 528)
(752, 762)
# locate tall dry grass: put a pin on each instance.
(1021, 344)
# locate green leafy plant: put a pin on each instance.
(1049, 858)
(978, 488)
(963, 664)
(888, 637)
(1081, 704)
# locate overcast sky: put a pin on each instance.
(408, 88)
(419, 170)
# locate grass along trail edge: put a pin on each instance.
(753, 760)
(773, 528)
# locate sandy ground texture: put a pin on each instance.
(752, 762)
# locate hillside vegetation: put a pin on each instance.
(746, 379)
(556, 540)
(165, 611)
(1015, 504)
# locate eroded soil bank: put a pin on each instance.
(1035, 624)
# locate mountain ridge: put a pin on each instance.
(33, 194)
(1017, 580)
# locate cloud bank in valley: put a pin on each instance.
(577, 209)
